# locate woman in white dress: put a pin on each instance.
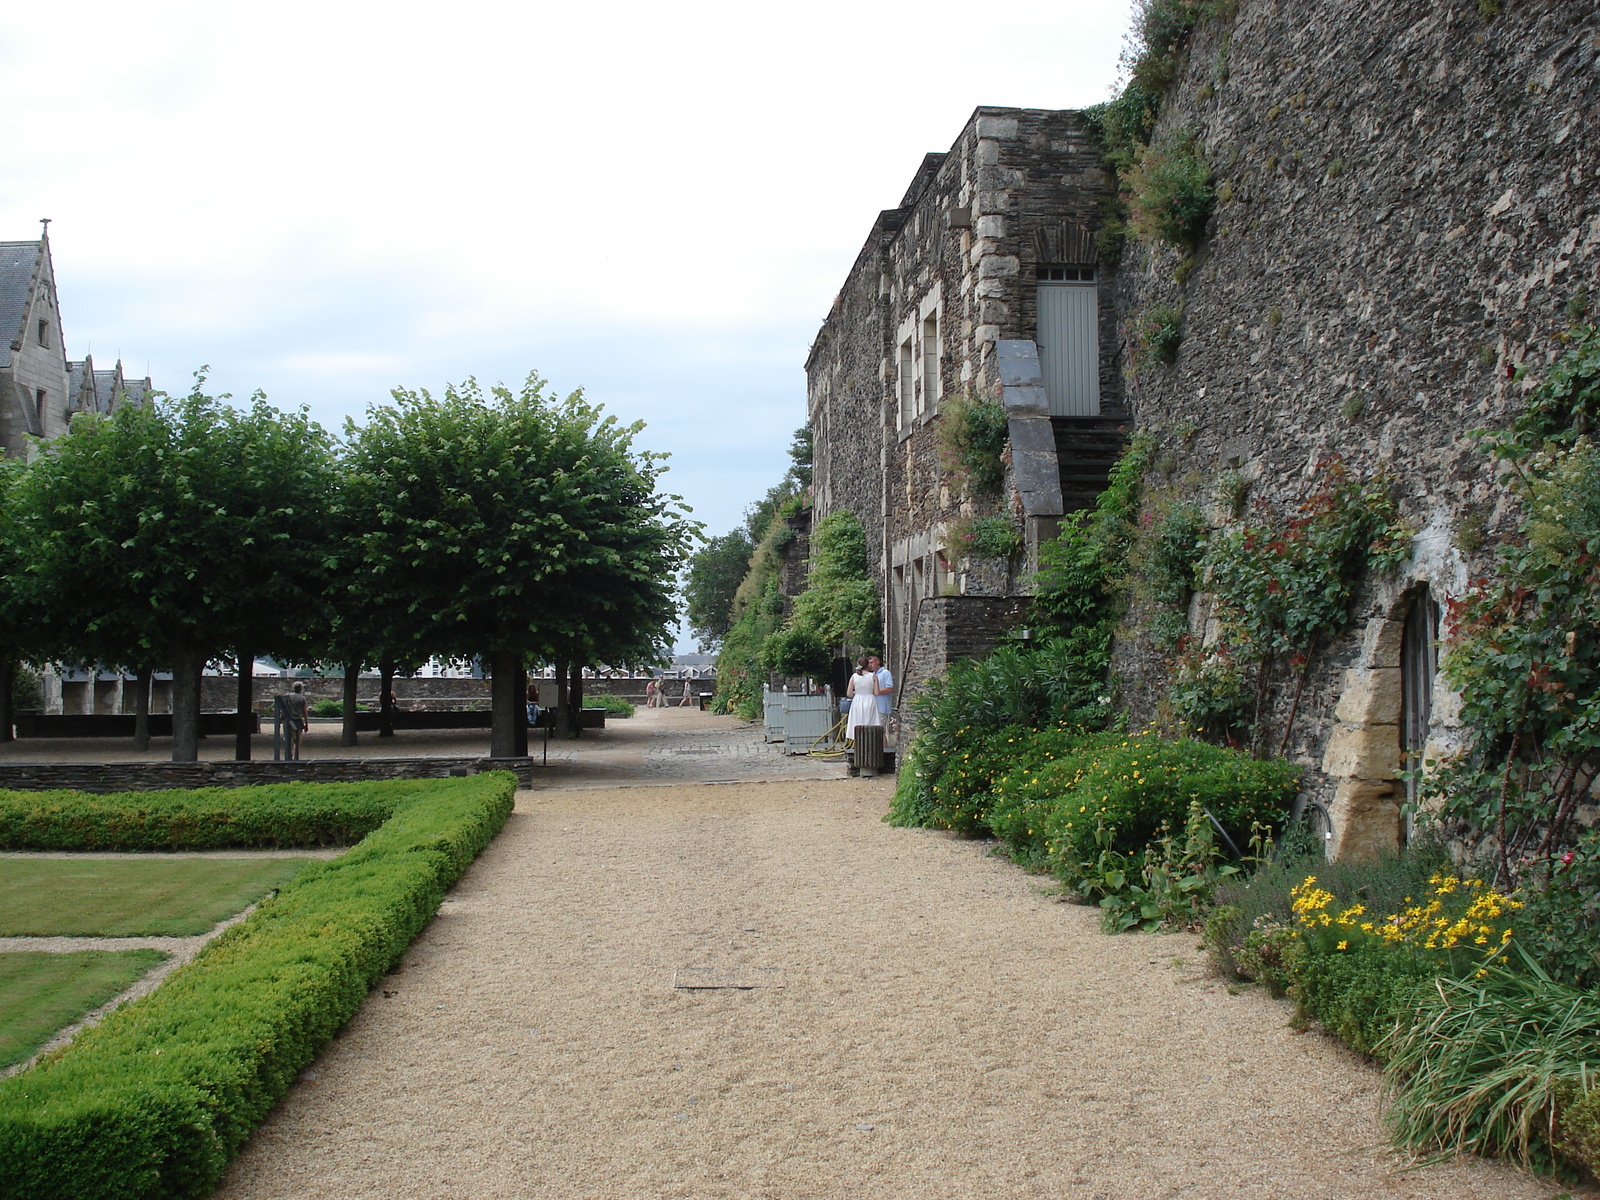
(863, 693)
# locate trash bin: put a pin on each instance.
(869, 749)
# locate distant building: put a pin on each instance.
(40, 388)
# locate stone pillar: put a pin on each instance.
(1363, 751)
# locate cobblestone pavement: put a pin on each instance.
(680, 745)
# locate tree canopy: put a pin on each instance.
(175, 532)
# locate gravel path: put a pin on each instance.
(943, 1028)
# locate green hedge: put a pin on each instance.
(155, 1100)
(285, 814)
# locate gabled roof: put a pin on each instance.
(82, 395)
(19, 272)
(135, 391)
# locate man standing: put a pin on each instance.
(296, 716)
(885, 685)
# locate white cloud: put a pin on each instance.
(326, 200)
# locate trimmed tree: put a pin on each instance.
(518, 527)
(177, 532)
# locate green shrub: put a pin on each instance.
(327, 708)
(1132, 786)
(1559, 924)
(154, 1100)
(1031, 687)
(1262, 900)
(1169, 192)
(615, 706)
(1363, 994)
(973, 432)
(1158, 332)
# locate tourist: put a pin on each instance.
(533, 704)
(688, 693)
(296, 716)
(885, 686)
(863, 693)
(652, 694)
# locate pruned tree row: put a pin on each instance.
(514, 527)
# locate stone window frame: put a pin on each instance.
(1364, 756)
(916, 402)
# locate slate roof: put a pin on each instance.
(81, 378)
(19, 262)
(136, 391)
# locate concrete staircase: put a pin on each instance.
(1086, 449)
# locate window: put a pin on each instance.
(44, 333)
(920, 385)
(1064, 274)
(908, 385)
(929, 381)
(38, 405)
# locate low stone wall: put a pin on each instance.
(158, 776)
(950, 629)
(219, 693)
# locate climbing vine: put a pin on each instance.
(1282, 587)
(1525, 651)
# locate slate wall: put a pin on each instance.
(1407, 220)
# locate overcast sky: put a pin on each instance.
(655, 203)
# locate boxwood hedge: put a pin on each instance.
(155, 1100)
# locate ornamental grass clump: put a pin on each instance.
(1499, 1064)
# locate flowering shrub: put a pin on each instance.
(1464, 919)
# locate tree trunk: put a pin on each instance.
(187, 666)
(575, 701)
(8, 683)
(522, 710)
(141, 707)
(562, 669)
(352, 675)
(509, 693)
(385, 699)
(243, 728)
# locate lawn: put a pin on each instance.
(41, 993)
(131, 897)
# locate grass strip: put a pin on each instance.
(155, 1100)
(131, 897)
(41, 993)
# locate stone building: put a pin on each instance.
(40, 389)
(40, 392)
(984, 284)
(1407, 221)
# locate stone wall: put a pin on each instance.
(1407, 221)
(949, 629)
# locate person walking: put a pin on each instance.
(688, 693)
(533, 704)
(296, 716)
(652, 694)
(863, 692)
